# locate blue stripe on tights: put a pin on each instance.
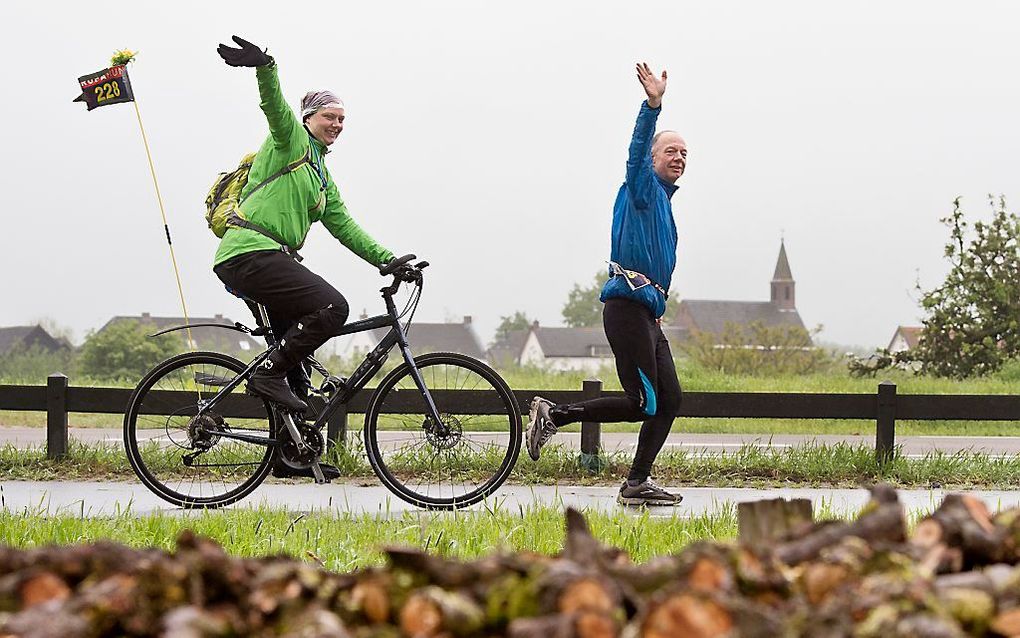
(649, 394)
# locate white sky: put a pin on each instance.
(491, 138)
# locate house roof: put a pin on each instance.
(570, 342)
(27, 336)
(675, 335)
(509, 349)
(441, 337)
(712, 316)
(910, 334)
(206, 337)
(782, 266)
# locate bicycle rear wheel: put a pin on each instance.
(458, 462)
(182, 458)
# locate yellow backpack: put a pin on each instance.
(223, 203)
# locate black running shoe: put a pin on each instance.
(540, 427)
(646, 493)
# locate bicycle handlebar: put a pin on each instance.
(389, 267)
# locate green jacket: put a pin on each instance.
(290, 204)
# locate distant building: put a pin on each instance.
(204, 337)
(905, 338)
(15, 338)
(424, 337)
(710, 316)
(556, 348)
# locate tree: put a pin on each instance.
(672, 307)
(583, 308)
(972, 325)
(507, 324)
(125, 351)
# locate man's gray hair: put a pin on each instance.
(655, 138)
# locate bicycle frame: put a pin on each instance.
(364, 373)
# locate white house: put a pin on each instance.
(554, 348)
(905, 338)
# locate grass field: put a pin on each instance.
(344, 541)
(840, 465)
(695, 378)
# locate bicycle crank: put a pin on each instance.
(303, 447)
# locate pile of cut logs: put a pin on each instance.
(956, 575)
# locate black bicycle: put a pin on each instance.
(441, 430)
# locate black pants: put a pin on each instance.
(304, 310)
(645, 366)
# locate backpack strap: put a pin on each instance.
(236, 220)
(289, 168)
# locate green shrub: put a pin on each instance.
(758, 350)
(33, 364)
(124, 350)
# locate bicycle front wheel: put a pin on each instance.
(457, 462)
(184, 458)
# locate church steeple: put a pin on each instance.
(783, 286)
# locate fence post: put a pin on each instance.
(336, 428)
(56, 416)
(591, 432)
(885, 431)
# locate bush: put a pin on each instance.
(33, 364)
(125, 351)
(758, 350)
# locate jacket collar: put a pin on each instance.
(669, 188)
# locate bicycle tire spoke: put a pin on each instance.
(222, 467)
(457, 461)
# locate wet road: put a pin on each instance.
(106, 498)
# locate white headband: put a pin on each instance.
(312, 109)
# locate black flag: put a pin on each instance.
(109, 86)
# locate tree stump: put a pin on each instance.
(760, 522)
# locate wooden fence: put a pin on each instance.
(57, 398)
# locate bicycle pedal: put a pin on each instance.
(320, 478)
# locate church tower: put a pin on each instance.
(782, 283)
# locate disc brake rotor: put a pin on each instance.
(447, 435)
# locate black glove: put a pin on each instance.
(248, 55)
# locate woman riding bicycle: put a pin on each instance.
(289, 188)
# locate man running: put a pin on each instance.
(642, 260)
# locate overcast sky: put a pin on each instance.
(490, 138)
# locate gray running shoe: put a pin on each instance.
(540, 426)
(646, 494)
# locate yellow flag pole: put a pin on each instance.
(166, 227)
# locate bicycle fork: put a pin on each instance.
(430, 404)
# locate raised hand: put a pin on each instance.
(654, 87)
(248, 55)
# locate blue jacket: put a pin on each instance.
(644, 233)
